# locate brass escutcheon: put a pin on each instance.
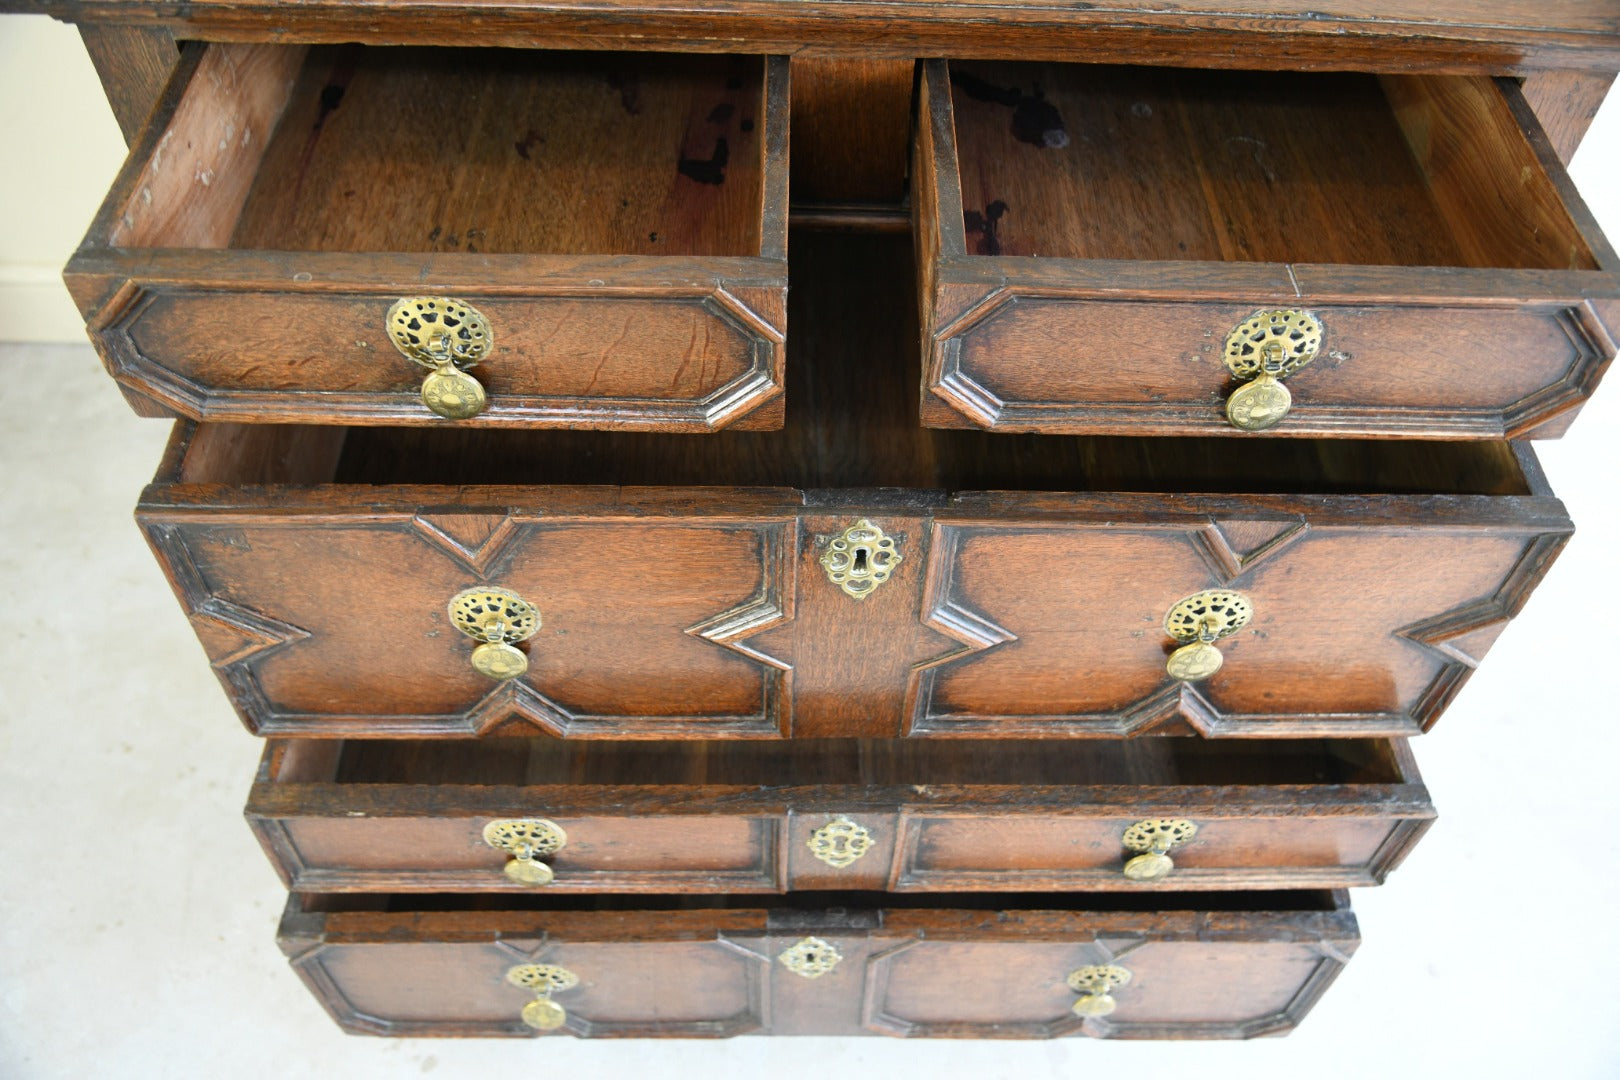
(1154, 838)
(447, 337)
(840, 842)
(1197, 622)
(1266, 348)
(860, 558)
(526, 839)
(811, 957)
(542, 1013)
(1096, 983)
(498, 619)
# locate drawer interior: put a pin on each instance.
(840, 762)
(852, 422)
(492, 151)
(1112, 162)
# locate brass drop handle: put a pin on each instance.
(1266, 348)
(1154, 838)
(447, 337)
(526, 839)
(542, 1013)
(1095, 984)
(498, 619)
(1198, 621)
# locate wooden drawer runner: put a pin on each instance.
(1214, 965)
(394, 815)
(1030, 598)
(620, 220)
(1090, 235)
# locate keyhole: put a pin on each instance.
(860, 560)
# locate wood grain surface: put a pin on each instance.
(621, 221)
(1094, 233)
(736, 817)
(683, 597)
(1460, 35)
(1210, 965)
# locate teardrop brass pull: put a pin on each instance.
(499, 619)
(1095, 985)
(1154, 838)
(526, 839)
(1197, 622)
(542, 1013)
(447, 337)
(1266, 348)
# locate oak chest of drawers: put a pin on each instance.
(1018, 556)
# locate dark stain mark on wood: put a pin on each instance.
(1035, 120)
(711, 171)
(527, 143)
(629, 87)
(985, 226)
(722, 112)
(747, 124)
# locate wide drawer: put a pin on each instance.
(1212, 965)
(619, 222)
(1027, 598)
(726, 817)
(1091, 240)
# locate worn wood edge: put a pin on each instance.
(1565, 102)
(1104, 34)
(134, 64)
(774, 159)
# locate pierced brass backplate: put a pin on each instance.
(544, 979)
(447, 337)
(860, 558)
(526, 839)
(1154, 837)
(1096, 983)
(499, 619)
(1266, 348)
(811, 958)
(840, 842)
(1197, 622)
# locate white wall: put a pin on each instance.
(61, 150)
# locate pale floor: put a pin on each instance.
(138, 914)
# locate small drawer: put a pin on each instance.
(547, 816)
(1122, 250)
(1202, 966)
(607, 233)
(852, 575)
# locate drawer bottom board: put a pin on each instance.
(1206, 966)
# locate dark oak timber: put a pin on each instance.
(1090, 235)
(1208, 965)
(621, 221)
(705, 817)
(1470, 36)
(682, 596)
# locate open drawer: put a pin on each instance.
(1123, 250)
(307, 234)
(1206, 965)
(901, 816)
(853, 574)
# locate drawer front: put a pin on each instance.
(911, 972)
(698, 614)
(620, 289)
(714, 817)
(1507, 340)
